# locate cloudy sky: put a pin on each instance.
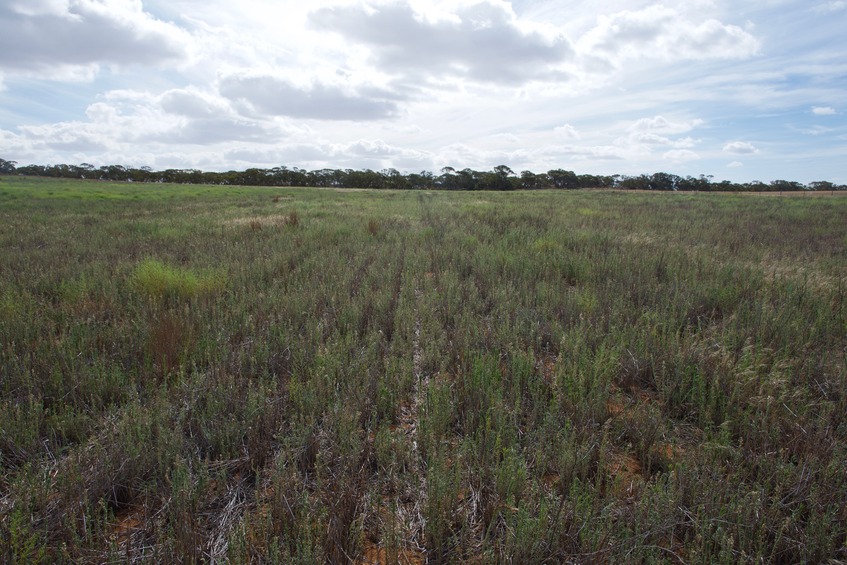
(741, 89)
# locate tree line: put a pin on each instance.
(499, 178)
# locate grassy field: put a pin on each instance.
(195, 374)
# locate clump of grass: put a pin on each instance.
(293, 219)
(160, 281)
(13, 305)
(373, 227)
(169, 337)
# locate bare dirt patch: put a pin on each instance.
(376, 555)
(626, 475)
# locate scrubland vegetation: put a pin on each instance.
(499, 178)
(279, 375)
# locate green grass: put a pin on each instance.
(191, 373)
(160, 281)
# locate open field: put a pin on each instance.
(194, 374)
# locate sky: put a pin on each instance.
(741, 90)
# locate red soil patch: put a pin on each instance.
(615, 407)
(670, 452)
(550, 480)
(375, 555)
(547, 368)
(128, 520)
(626, 474)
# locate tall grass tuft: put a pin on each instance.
(160, 281)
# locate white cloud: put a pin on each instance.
(126, 120)
(665, 33)
(372, 148)
(103, 113)
(598, 152)
(211, 131)
(735, 165)
(680, 155)
(359, 154)
(740, 148)
(823, 111)
(303, 154)
(66, 136)
(505, 139)
(660, 124)
(192, 103)
(482, 41)
(72, 39)
(567, 131)
(647, 138)
(265, 95)
(684, 143)
(833, 6)
(648, 133)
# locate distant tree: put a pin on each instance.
(641, 182)
(422, 180)
(448, 179)
(297, 177)
(7, 167)
(560, 178)
(468, 179)
(821, 185)
(86, 170)
(664, 181)
(32, 170)
(325, 177)
(727, 186)
(499, 179)
(114, 172)
(257, 177)
(394, 179)
(786, 186)
(756, 186)
(594, 181)
(529, 180)
(362, 179)
(488, 181)
(692, 183)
